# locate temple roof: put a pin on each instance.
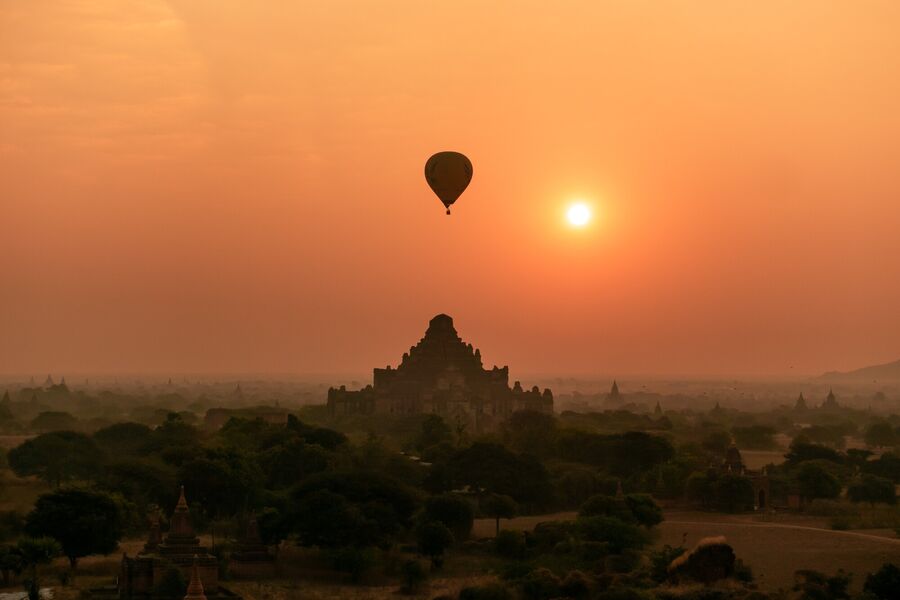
(195, 587)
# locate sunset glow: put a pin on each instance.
(578, 214)
(209, 185)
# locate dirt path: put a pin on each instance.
(879, 536)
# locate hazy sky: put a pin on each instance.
(233, 186)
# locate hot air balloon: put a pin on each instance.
(448, 174)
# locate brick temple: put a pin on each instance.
(442, 375)
(141, 575)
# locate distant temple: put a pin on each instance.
(801, 403)
(141, 575)
(734, 465)
(830, 401)
(251, 558)
(442, 375)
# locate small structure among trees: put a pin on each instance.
(251, 557)
(162, 567)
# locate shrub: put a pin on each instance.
(884, 584)
(710, 560)
(510, 544)
(491, 591)
(548, 534)
(541, 584)
(839, 523)
(660, 561)
(618, 535)
(872, 489)
(576, 585)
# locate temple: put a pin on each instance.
(830, 401)
(251, 558)
(442, 375)
(141, 576)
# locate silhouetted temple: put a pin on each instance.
(251, 558)
(142, 575)
(830, 401)
(442, 375)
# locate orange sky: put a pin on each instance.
(231, 186)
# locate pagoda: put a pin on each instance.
(830, 401)
(442, 375)
(251, 557)
(180, 548)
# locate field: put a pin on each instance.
(774, 548)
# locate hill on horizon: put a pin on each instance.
(887, 371)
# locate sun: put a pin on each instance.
(578, 214)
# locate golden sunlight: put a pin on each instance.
(578, 214)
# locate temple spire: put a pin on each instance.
(182, 501)
(195, 587)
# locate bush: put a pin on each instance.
(618, 535)
(576, 585)
(510, 544)
(548, 534)
(541, 584)
(710, 560)
(872, 489)
(839, 523)
(491, 591)
(660, 561)
(884, 584)
(816, 482)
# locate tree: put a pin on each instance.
(884, 583)
(716, 442)
(880, 434)
(36, 552)
(123, 438)
(82, 522)
(754, 437)
(140, 482)
(53, 421)
(370, 509)
(645, 510)
(434, 431)
(286, 464)
(453, 511)
(488, 467)
(531, 431)
(56, 457)
(816, 482)
(801, 451)
(498, 507)
(434, 538)
(887, 466)
(615, 533)
(639, 509)
(872, 489)
(603, 505)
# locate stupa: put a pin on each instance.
(251, 557)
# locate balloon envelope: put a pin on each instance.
(448, 174)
